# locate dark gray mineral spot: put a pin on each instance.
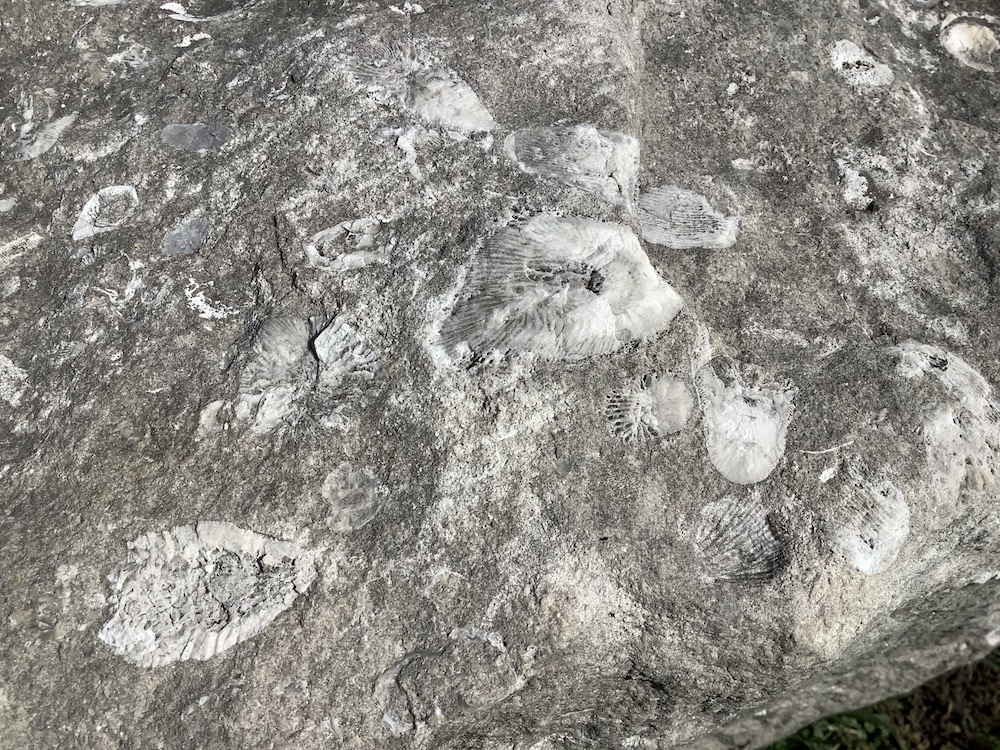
(186, 238)
(196, 136)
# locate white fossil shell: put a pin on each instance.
(738, 540)
(602, 162)
(194, 591)
(745, 426)
(105, 210)
(561, 288)
(436, 95)
(657, 407)
(682, 219)
(962, 433)
(42, 141)
(973, 40)
(857, 67)
(280, 367)
(871, 524)
(344, 355)
(346, 246)
(442, 98)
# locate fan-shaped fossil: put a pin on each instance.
(973, 40)
(194, 591)
(745, 426)
(602, 162)
(738, 540)
(436, 95)
(682, 219)
(560, 288)
(186, 237)
(871, 524)
(654, 408)
(105, 210)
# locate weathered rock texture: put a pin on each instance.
(527, 375)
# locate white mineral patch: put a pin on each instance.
(973, 41)
(602, 162)
(681, 219)
(962, 433)
(202, 11)
(347, 246)
(105, 210)
(857, 67)
(560, 288)
(13, 382)
(854, 186)
(195, 591)
(7, 204)
(655, 408)
(199, 302)
(745, 425)
(37, 143)
(871, 524)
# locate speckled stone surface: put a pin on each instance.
(501, 376)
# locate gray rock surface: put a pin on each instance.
(524, 375)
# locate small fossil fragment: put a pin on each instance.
(973, 40)
(560, 288)
(655, 408)
(194, 591)
(196, 136)
(745, 425)
(681, 219)
(31, 145)
(602, 162)
(105, 210)
(738, 540)
(857, 67)
(346, 246)
(186, 238)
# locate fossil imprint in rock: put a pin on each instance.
(194, 591)
(654, 408)
(559, 288)
(682, 219)
(436, 95)
(602, 162)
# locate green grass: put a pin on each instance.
(865, 729)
